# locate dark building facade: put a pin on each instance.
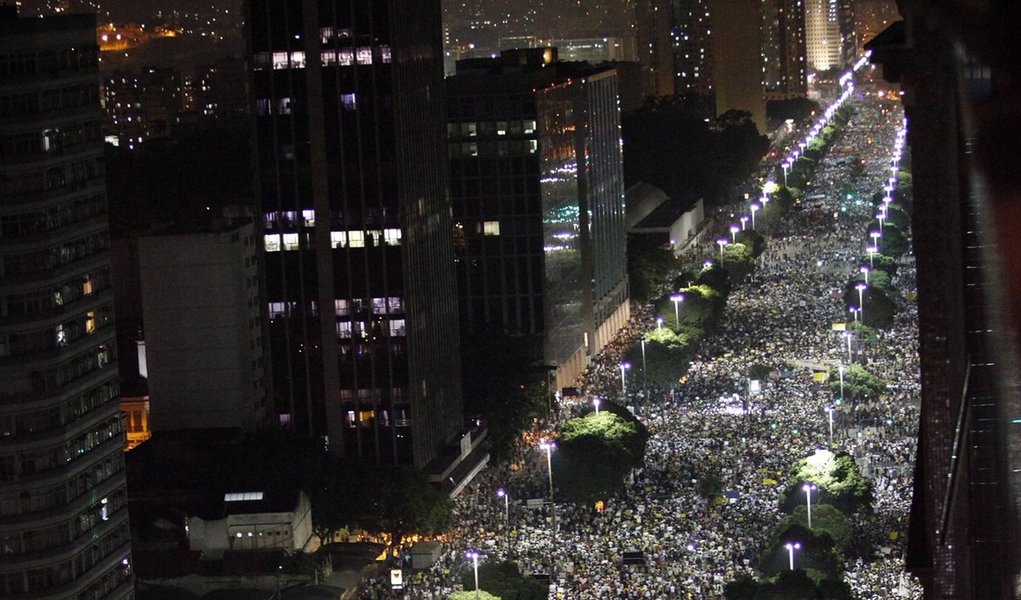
(63, 505)
(537, 189)
(348, 104)
(957, 66)
(691, 25)
(784, 72)
(655, 47)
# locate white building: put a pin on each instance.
(203, 329)
(252, 520)
(822, 34)
(651, 212)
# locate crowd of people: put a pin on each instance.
(685, 542)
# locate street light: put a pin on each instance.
(676, 298)
(595, 402)
(723, 242)
(624, 366)
(754, 208)
(744, 221)
(872, 250)
(864, 271)
(854, 312)
(861, 287)
(808, 488)
(659, 324)
(549, 447)
(829, 413)
(475, 559)
(849, 335)
(786, 165)
(790, 551)
(645, 376)
(501, 493)
(733, 233)
(840, 368)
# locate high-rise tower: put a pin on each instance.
(63, 506)
(358, 248)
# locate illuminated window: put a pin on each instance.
(395, 305)
(290, 241)
(279, 61)
(350, 418)
(271, 242)
(379, 306)
(491, 228)
(366, 416)
(86, 285)
(275, 309)
(310, 217)
(392, 237)
(501, 128)
(396, 327)
(529, 126)
(384, 53)
(298, 60)
(344, 329)
(356, 239)
(348, 101)
(341, 308)
(533, 146)
(338, 239)
(364, 56)
(90, 321)
(242, 497)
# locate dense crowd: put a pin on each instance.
(714, 425)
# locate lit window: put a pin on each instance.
(272, 242)
(365, 56)
(343, 329)
(86, 285)
(242, 497)
(290, 241)
(350, 418)
(338, 239)
(310, 217)
(533, 146)
(90, 321)
(356, 239)
(366, 416)
(275, 309)
(284, 106)
(501, 128)
(298, 60)
(395, 305)
(379, 306)
(491, 228)
(396, 327)
(279, 61)
(392, 237)
(348, 101)
(340, 308)
(384, 53)
(529, 126)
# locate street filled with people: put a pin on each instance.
(717, 422)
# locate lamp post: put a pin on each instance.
(861, 287)
(754, 208)
(829, 414)
(790, 552)
(841, 370)
(864, 271)
(872, 250)
(875, 235)
(595, 402)
(659, 324)
(645, 376)
(624, 366)
(676, 299)
(808, 488)
(786, 165)
(848, 335)
(733, 233)
(854, 312)
(744, 221)
(501, 493)
(723, 242)
(548, 447)
(475, 560)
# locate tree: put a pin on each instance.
(596, 451)
(796, 109)
(649, 264)
(825, 519)
(859, 384)
(878, 310)
(894, 242)
(839, 482)
(667, 356)
(406, 503)
(471, 595)
(880, 262)
(715, 277)
(754, 240)
(738, 260)
(817, 551)
(504, 580)
(702, 309)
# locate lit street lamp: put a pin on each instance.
(733, 233)
(723, 242)
(659, 324)
(808, 488)
(501, 493)
(595, 402)
(861, 287)
(854, 311)
(624, 366)
(475, 559)
(841, 370)
(829, 413)
(676, 298)
(754, 208)
(849, 335)
(864, 271)
(744, 221)
(872, 250)
(790, 551)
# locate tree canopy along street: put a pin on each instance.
(781, 411)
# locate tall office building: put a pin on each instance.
(63, 507)
(822, 34)
(359, 263)
(959, 96)
(538, 197)
(784, 72)
(737, 58)
(691, 29)
(655, 47)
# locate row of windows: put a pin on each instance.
(364, 55)
(488, 128)
(53, 258)
(292, 219)
(21, 64)
(81, 365)
(15, 466)
(345, 329)
(40, 499)
(44, 578)
(25, 343)
(275, 242)
(37, 540)
(73, 175)
(57, 416)
(54, 217)
(39, 302)
(342, 307)
(501, 148)
(51, 140)
(59, 98)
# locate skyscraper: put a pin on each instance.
(783, 49)
(63, 505)
(737, 58)
(538, 195)
(822, 34)
(691, 29)
(655, 48)
(358, 250)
